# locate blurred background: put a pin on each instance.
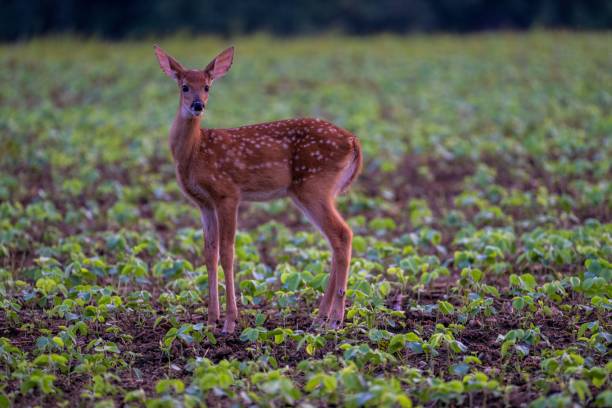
(117, 19)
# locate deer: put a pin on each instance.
(309, 160)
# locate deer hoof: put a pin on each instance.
(228, 327)
(214, 325)
(334, 324)
(318, 323)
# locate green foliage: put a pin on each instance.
(482, 214)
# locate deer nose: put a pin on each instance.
(197, 106)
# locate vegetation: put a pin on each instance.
(138, 18)
(482, 261)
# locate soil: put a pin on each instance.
(479, 334)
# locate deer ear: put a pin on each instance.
(169, 65)
(221, 64)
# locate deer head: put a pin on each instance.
(194, 84)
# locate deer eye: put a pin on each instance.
(185, 88)
(206, 88)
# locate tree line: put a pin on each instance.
(116, 19)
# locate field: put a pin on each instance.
(481, 271)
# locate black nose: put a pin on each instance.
(197, 106)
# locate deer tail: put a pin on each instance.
(352, 171)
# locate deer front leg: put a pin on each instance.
(211, 258)
(227, 211)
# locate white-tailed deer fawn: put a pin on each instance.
(309, 160)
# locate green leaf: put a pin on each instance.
(604, 399)
(260, 318)
(377, 335)
(46, 285)
(4, 401)
(404, 401)
(455, 386)
(58, 341)
(476, 275)
(460, 369)
(359, 244)
(249, 334)
(292, 281)
(138, 395)
(528, 282)
(385, 288)
(518, 303)
(445, 307)
(310, 349)
(167, 386)
(471, 360)
(581, 388)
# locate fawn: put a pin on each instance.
(309, 160)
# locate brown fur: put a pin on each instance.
(309, 160)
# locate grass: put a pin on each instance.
(482, 255)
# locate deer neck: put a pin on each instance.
(185, 137)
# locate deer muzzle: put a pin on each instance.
(197, 106)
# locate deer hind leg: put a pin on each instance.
(211, 258)
(321, 211)
(325, 303)
(227, 211)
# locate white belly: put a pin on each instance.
(264, 195)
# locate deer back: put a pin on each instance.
(263, 161)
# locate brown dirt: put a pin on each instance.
(479, 334)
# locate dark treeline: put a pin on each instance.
(22, 19)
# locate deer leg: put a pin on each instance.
(227, 213)
(326, 300)
(211, 258)
(323, 214)
(342, 241)
(325, 303)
